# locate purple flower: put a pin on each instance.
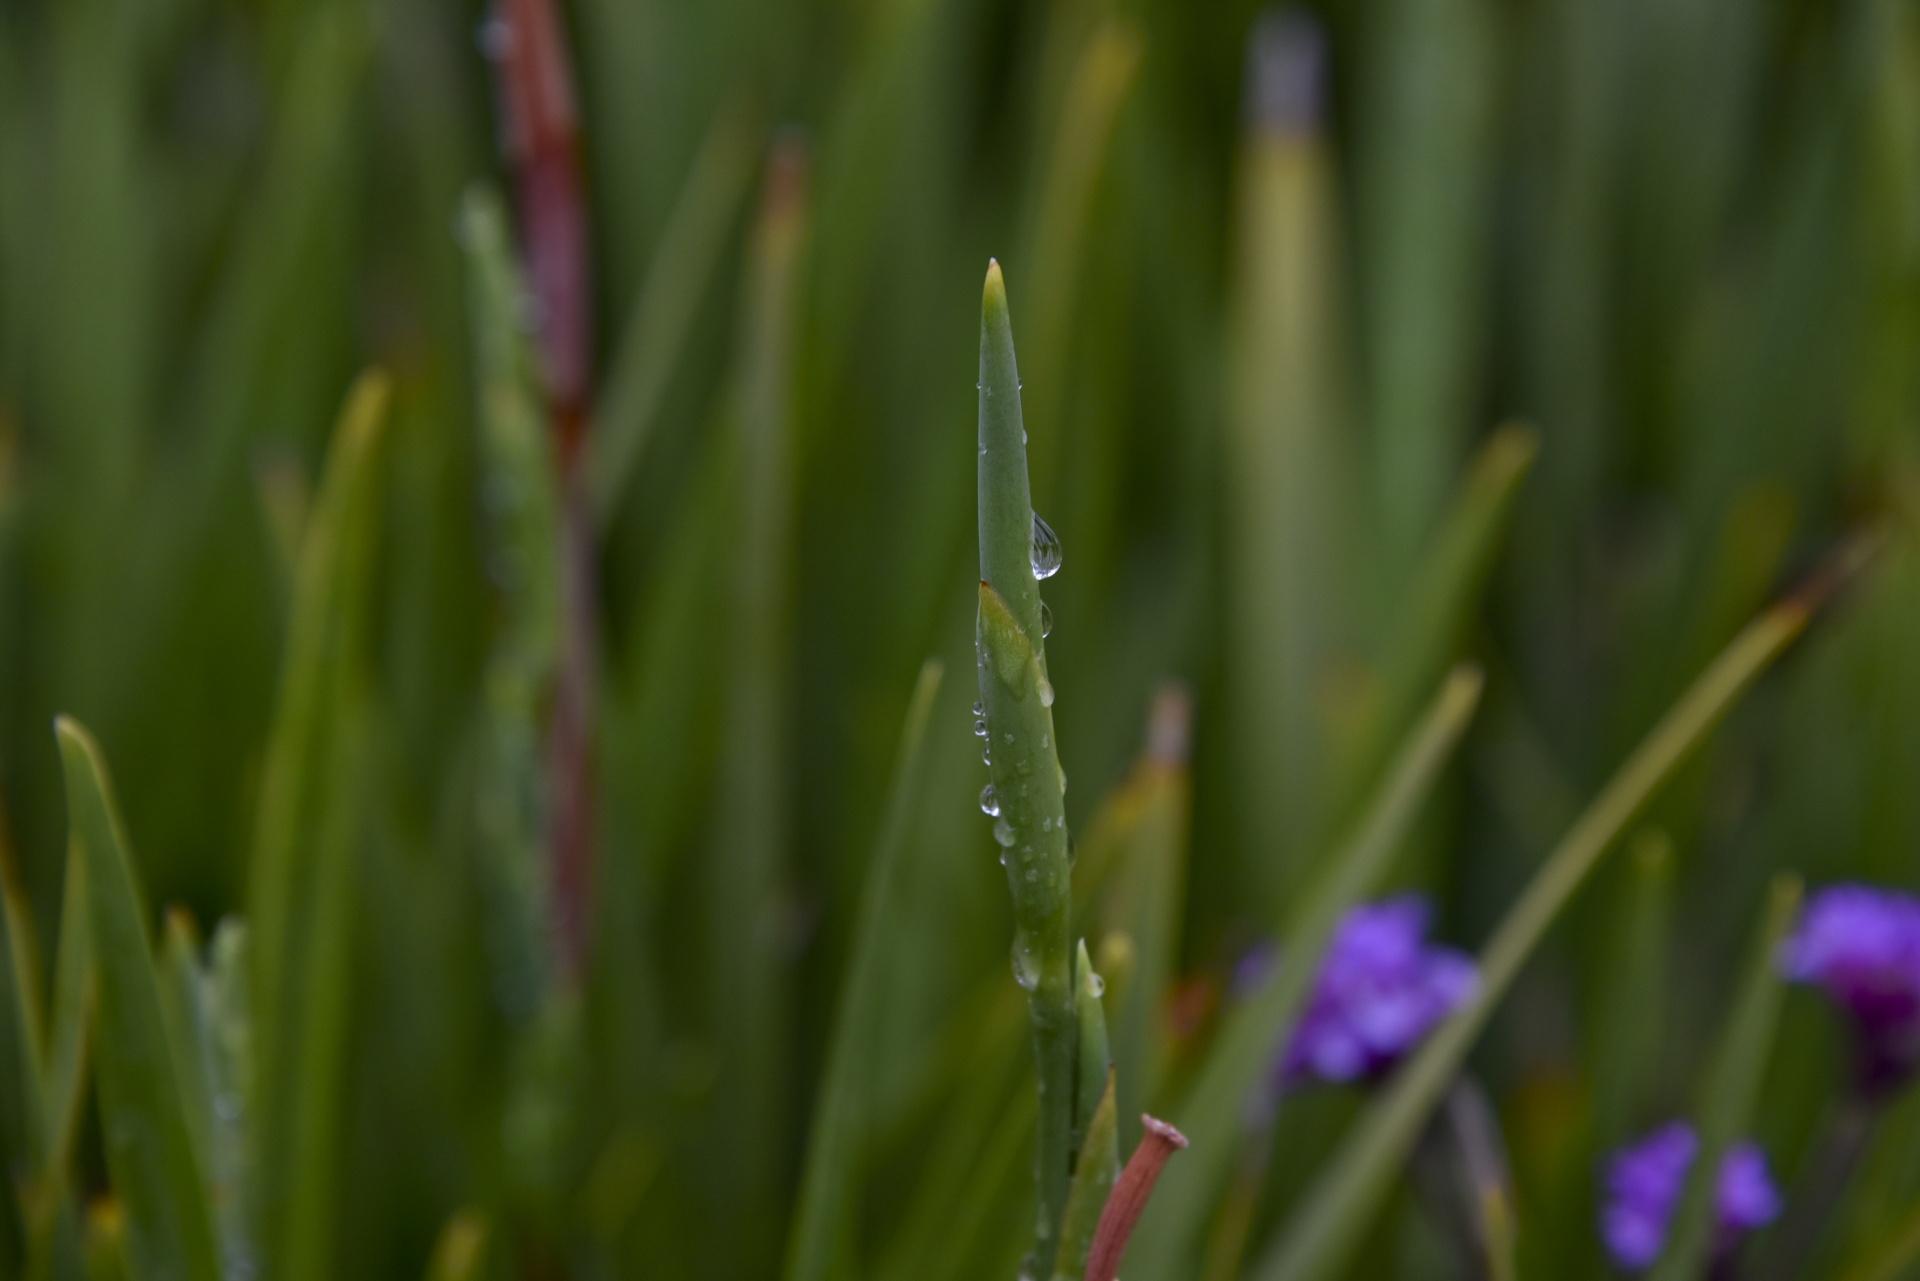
(1380, 990)
(1862, 945)
(1644, 1182)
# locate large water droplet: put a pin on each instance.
(1046, 549)
(979, 729)
(989, 804)
(1096, 984)
(979, 708)
(1003, 833)
(1046, 621)
(1046, 694)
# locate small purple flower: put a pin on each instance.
(1380, 990)
(1862, 945)
(1644, 1182)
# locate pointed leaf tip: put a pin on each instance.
(995, 294)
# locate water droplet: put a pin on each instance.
(1096, 984)
(979, 708)
(1003, 833)
(989, 805)
(1063, 779)
(1045, 742)
(1046, 621)
(1026, 970)
(1008, 735)
(1046, 549)
(1032, 875)
(979, 729)
(1046, 694)
(986, 756)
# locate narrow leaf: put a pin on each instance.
(1093, 1179)
(1323, 1234)
(1732, 1087)
(150, 1152)
(1212, 1111)
(825, 1222)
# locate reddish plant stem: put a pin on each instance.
(1129, 1197)
(542, 138)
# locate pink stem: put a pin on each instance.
(1129, 1197)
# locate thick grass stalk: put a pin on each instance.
(1017, 702)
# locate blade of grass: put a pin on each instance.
(1094, 1081)
(1286, 480)
(1732, 1087)
(306, 841)
(156, 1170)
(1093, 1179)
(1150, 815)
(678, 279)
(1893, 1255)
(826, 1227)
(1102, 77)
(1211, 1112)
(1017, 700)
(1326, 1229)
(522, 545)
(751, 849)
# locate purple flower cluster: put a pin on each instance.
(1862, 945)
(1380, 990)
(1644, 1183)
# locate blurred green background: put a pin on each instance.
(1272, 306)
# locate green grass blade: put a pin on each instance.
(461, 1252)
(1018, 702)
(306, 842)
(1892, 1256)
(748, 866)
(1732, 1088)
(1322, 1236)
(522, 542)
(1102, 77)
(1093, 1180)
(1211, 1112)
(1095, 1055)
(1149, 816)
(150, 1152)
(678, 279)
(826, 1224)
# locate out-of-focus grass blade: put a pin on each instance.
(1445, 591)
(1423, 135)
(1211, 1112)
(1322, 1235)
(1627, 1037)
(522, 546)
(1286, 458)
(1106, 70)
(1892, 1256)
(149, 1141)
(1148, 818)
(103, 1250)
(461, 1252)
(678, 279)
(306, 843)
(25, 1002)
(1732, 1087)
(747, 866)
(1093, 1180)
(825, 1241)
